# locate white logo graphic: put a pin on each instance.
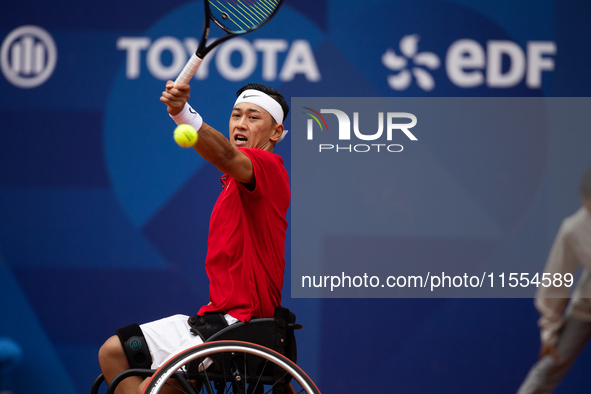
(299, 58)
(409, 47)
(28, 56)
(469, 64)
(345, 125)
(344, 132)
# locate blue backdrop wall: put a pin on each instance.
(103, 219)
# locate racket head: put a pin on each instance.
(241, 16)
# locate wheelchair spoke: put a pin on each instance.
(224, 369)
(191, 382)
(207, 383)
(234, 367)
(260, 376)
(176, 388)
(274, 384)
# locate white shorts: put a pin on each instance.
(170, 336)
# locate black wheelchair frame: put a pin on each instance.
(245, 358)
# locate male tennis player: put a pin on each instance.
(564, 331)
(246, 243)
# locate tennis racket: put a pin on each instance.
(235, 17)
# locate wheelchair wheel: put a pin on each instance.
(231, 367)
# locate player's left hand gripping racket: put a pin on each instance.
(235, 17)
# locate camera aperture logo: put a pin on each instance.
(390, 122)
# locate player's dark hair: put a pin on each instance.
(585, 187)
(268, 91)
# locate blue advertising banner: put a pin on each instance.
(104, 220)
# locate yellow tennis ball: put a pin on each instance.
(185, 135)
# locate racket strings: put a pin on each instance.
(246, 15)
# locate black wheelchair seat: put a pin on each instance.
(270, 333)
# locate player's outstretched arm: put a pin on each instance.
(212, 145)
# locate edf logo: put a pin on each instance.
(28, 56)
(344, 132)
(469, 64)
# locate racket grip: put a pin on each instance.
(189, 69)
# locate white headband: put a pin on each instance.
(264, 101)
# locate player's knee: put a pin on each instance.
(111, 351)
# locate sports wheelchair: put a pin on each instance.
(257, 357)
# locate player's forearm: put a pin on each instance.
(214, 147)
(211, 144)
